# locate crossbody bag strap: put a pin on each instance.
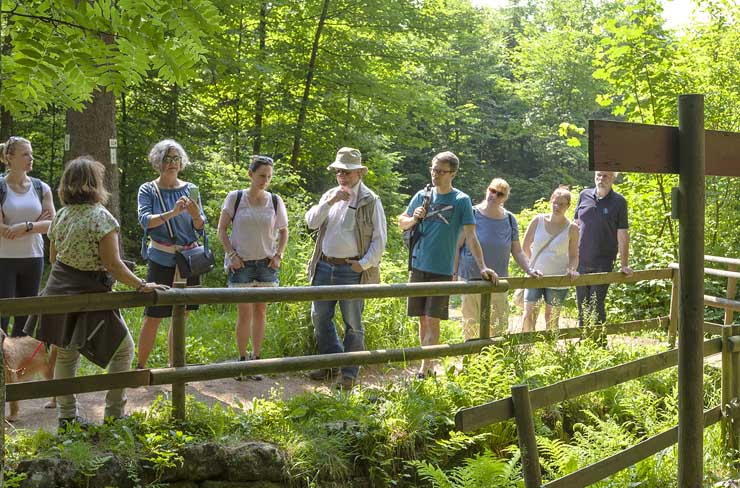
(552, 238)
(236, 204)
(164, 207)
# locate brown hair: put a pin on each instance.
(449, 158)
(561, 191)
(83, 181)
(8, 148)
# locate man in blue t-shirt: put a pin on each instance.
(449, 214)
(601, 215)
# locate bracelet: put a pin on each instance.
(142, 284)
(278, 255)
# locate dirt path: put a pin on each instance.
(33, 415)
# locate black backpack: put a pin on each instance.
(239, 199)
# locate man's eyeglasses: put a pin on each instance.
(438, 171)
(496, 192)
(343, 172)
(172, 159)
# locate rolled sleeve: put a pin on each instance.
(145, 200)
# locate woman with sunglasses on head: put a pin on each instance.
(551, 244)
(498, 234)
(254, 250)
(170, 214)
(26, 210)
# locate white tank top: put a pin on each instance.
(21, 207)
(553, 260)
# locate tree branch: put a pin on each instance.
(57, 22)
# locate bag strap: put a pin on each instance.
(236, 204)
(3, 189)
(552, 238)
(274, 203)
(164, 207)
(39, 188)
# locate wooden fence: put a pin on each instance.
(524, 401)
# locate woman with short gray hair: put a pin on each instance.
(170, 214)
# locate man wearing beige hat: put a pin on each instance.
(351, 239)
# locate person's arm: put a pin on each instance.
(456, 264)
(317, 214)
(282, 243)
(472, 242)
(147, 219)
(195, 210)
(41, 226)
(378, 241)
(573, 237)
(52, 252)
(224, 220)
(111, 259)
(623, 241)
(522, 260)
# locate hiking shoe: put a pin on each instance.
(345, 383)
(323, 374)
(69, 422)
(254, 377)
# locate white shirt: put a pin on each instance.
(22, 207)
(254, 228)
(339, 238)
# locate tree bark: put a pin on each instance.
(259, 106)
(307, 87)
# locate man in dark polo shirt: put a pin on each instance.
(601, 215)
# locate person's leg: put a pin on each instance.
(164, 275)
(529, 318)
(322, 313)
(243, 328)
(354, 332)
(598, 293)
(259, 320)
(471, 316)
(115, 400)
(8, 280)
(147, 338)
(430, 337)
(499, 313)
(66, 366)
(28, 281)
(554, 299)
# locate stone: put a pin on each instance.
(200, 462)
(241, 484)
(46, 472)
(255, 461)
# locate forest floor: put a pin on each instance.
(33, 415)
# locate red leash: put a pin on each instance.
(28, 360)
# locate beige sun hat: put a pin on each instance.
(347, 158)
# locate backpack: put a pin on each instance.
(37, 186)
(239, 199)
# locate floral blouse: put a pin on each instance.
(76, 232)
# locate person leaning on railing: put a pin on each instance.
(84, 253)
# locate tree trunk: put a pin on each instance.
(259, 105)
(307, 88)
(92, 132)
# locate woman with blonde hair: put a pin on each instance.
(551, 244)
(26, 210)
(498, 233)
(84, 253)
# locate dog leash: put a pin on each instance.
(25, 363)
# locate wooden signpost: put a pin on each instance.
(691, 152)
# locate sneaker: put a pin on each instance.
(345, 383)
(68, 422)
(255, 377)
(323, 374)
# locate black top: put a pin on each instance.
(600, 219)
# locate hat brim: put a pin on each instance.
(342, 165)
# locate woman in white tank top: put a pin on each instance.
(551, 245)
(26, 210)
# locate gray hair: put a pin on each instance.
(160, 150)
(8, 148)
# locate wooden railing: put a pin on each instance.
(468, 419)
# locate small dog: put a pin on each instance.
(24, 359)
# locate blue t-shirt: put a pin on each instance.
(182, 224)
(440, 230)
(495, 237)
(600, 219)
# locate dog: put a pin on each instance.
(25, 357)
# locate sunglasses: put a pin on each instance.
(497, 193)
(343, 172)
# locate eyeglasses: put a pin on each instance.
(497, 193)
(437, 171)
(172, 159)
(343, 172)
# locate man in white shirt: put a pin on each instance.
(351, 240)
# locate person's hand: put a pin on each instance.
(235, 262)
(534, 273)
(339, 195)
(150, 287)
(420, 213)
(572, 273)
(275, 261)
(626, 270)
(192, 207)
(15, 230)
(180, 205)
(45, 215)
(356, 267)
(489, 274)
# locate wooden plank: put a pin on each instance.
(79, 384)
(628, 457)
(644, 148)
(484, 320)
(718, 302)
(722, 260)
(712, 328)
(527, 439)
(731, 292)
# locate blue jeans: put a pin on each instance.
(592, 298)
(322, 314)
(254, 273)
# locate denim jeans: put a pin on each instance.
(68, 360)
(592, 298)
(322, 314)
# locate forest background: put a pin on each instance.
(509, 90)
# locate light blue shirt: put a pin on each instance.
(495, 237)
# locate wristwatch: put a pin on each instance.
(29, 226)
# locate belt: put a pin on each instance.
(257, 261)
(171, 248)
(338, 261)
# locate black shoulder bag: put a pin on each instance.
(191, 262)
(412, 235)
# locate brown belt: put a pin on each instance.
(338, 261)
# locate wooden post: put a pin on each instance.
(691, 304)
(728, 387)
(527, 439)
(673, 313)
(485, 316)
(735, 391)
(2, 414)
(178, 356)
(731, 289)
